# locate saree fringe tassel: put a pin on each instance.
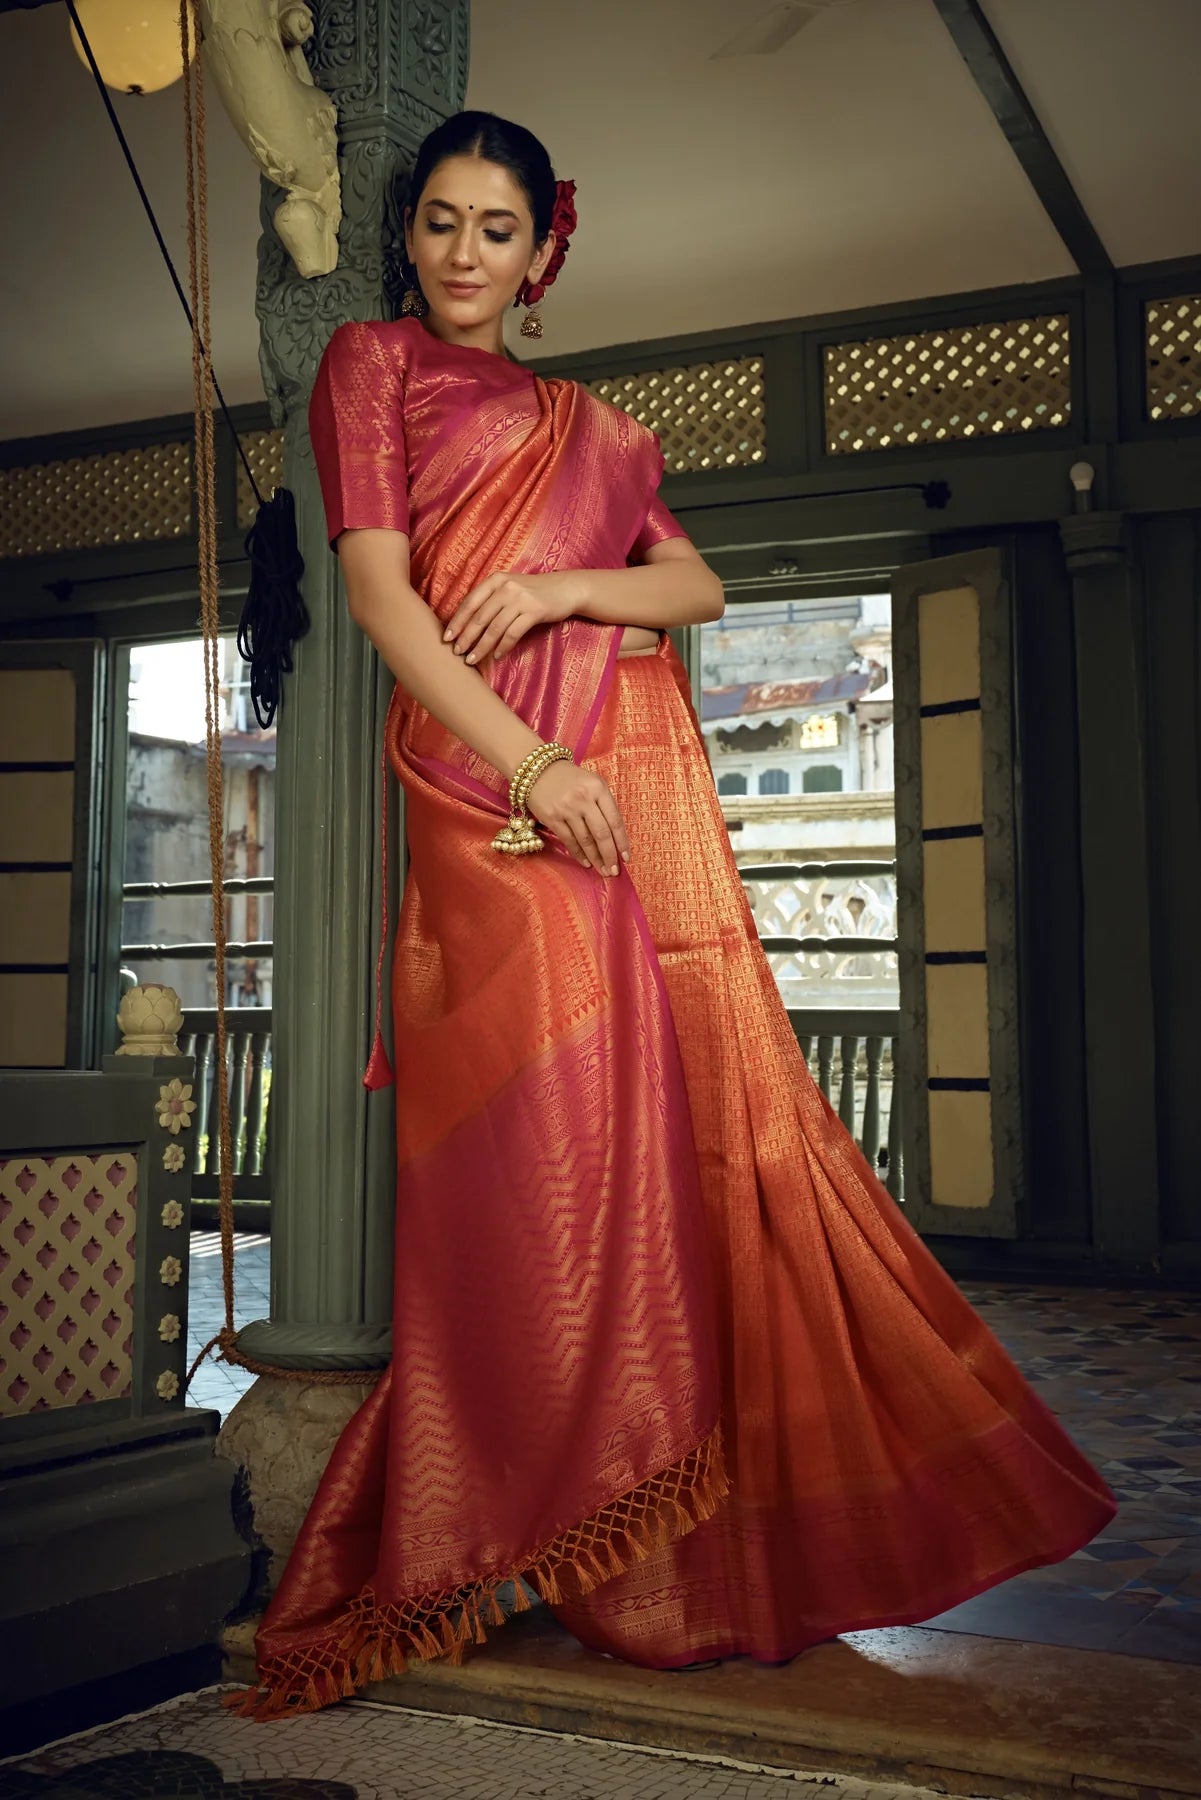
(373, 1640)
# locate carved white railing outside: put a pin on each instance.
(829, 930)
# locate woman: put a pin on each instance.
(663, 1345)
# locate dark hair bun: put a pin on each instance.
(496, 140)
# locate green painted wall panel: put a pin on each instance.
(1169, 549)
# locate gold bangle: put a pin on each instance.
(532, 766)
(519, 837)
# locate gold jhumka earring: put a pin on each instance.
(531, 325)
(562, 223)
(414, 304)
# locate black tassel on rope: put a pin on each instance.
(274, 615)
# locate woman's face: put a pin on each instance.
(473, 227)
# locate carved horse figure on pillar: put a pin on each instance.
(254, 51)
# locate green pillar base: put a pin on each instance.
(294, 1345)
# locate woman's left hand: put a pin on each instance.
(497, 612)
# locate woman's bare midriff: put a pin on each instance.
(638, 640)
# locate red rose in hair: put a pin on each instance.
(562, 223)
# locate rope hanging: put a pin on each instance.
(196, 177)
(273, 617)
(204, 463)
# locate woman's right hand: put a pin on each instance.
(578, 806)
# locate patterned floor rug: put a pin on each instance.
(194, 1749)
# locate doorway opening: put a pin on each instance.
(167, 936)
(795, 699)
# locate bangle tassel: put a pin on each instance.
(519, 837)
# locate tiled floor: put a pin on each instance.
(196, 1748)
(217, 1384)
(1123, 1372)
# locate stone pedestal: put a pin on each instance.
(280, 1435)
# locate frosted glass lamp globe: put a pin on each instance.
(135, 42)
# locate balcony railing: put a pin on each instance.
(849, 1050)
(852, 1057)
(247, 1057)
(829, 929)
(247, 1041)
(194, 890)
(862, 1039)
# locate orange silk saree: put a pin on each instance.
(551, 1407)
(886, 1458)
(663, 1345)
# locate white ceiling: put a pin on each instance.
(858, 165)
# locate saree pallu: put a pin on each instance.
(886, 1458)
(552, 1405)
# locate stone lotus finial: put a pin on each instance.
(253, 49)
(148, 1019)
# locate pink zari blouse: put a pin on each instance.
(388, 400)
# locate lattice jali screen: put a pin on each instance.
(117, 497)
(926, 387)
(66, 1278)
(265, 454)
(1173, 345)
(710, 415)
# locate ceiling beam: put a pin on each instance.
(990, 70)
(989, 67)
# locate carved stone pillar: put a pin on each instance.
(394, 69)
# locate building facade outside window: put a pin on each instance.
(796, 712)
(824, 778)
(167, 823)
